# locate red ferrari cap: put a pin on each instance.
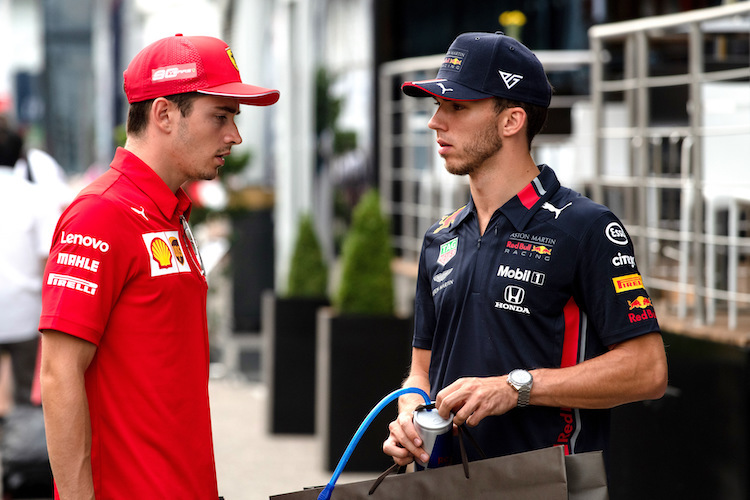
(181, 64)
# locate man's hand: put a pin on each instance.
(403, 442)
(471, 399)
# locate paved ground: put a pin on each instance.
(251, 463)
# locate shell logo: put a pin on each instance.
(161, 253)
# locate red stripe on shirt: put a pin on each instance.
(571, 338)
(572, 334)
(528, 196)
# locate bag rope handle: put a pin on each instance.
(328, 490)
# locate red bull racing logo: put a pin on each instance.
(642, 309)
(454, 59)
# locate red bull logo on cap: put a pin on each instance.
(454, 59)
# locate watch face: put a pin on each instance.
(521, 377)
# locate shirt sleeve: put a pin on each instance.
(424, 306)
(609, 286)
(88, 266)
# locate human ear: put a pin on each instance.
(161, 113)
(513, 122)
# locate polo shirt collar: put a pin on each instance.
(521, 208)
(145, 179)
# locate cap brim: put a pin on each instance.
(247, 94)
(442, 88)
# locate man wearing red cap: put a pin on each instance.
(125, 347)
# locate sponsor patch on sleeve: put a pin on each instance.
(627, 283)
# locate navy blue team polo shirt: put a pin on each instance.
(552, 282)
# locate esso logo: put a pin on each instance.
(616, 234)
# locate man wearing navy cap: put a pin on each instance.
(125, 352)
(527, 324)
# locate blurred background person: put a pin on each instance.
(27, 225)
(40, 168)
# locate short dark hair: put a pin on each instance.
(11, 145)
(138, 112)
(536, 116)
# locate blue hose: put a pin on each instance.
(328, 490)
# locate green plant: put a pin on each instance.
(366, 286)
(308, 272)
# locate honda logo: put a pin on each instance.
(514, 294)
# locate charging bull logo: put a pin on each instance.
(453, 60)
(640, 302)
(446, 221)
(641, 308)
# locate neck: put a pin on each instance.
(492, 187)
(157, 160)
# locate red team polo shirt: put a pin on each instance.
(122, 275)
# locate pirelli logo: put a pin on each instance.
(73, 283)
(626, 283)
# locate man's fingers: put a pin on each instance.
(404, 441)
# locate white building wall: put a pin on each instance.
(295, 54)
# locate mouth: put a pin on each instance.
(221, 158)
(443, 147)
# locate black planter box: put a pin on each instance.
(361, 359)
(252, 254)
(694, 443)
(289, 327)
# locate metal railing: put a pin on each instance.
(683, 81)
(663, 139)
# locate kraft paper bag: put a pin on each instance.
(587, 476)
(534, 475)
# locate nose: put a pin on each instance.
(435, 122)
(234, 136)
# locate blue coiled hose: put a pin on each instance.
(328, 490)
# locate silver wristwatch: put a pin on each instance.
(521, 380)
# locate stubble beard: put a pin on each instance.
(487, 143)
(197, 172)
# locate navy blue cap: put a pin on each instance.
(483, 65)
